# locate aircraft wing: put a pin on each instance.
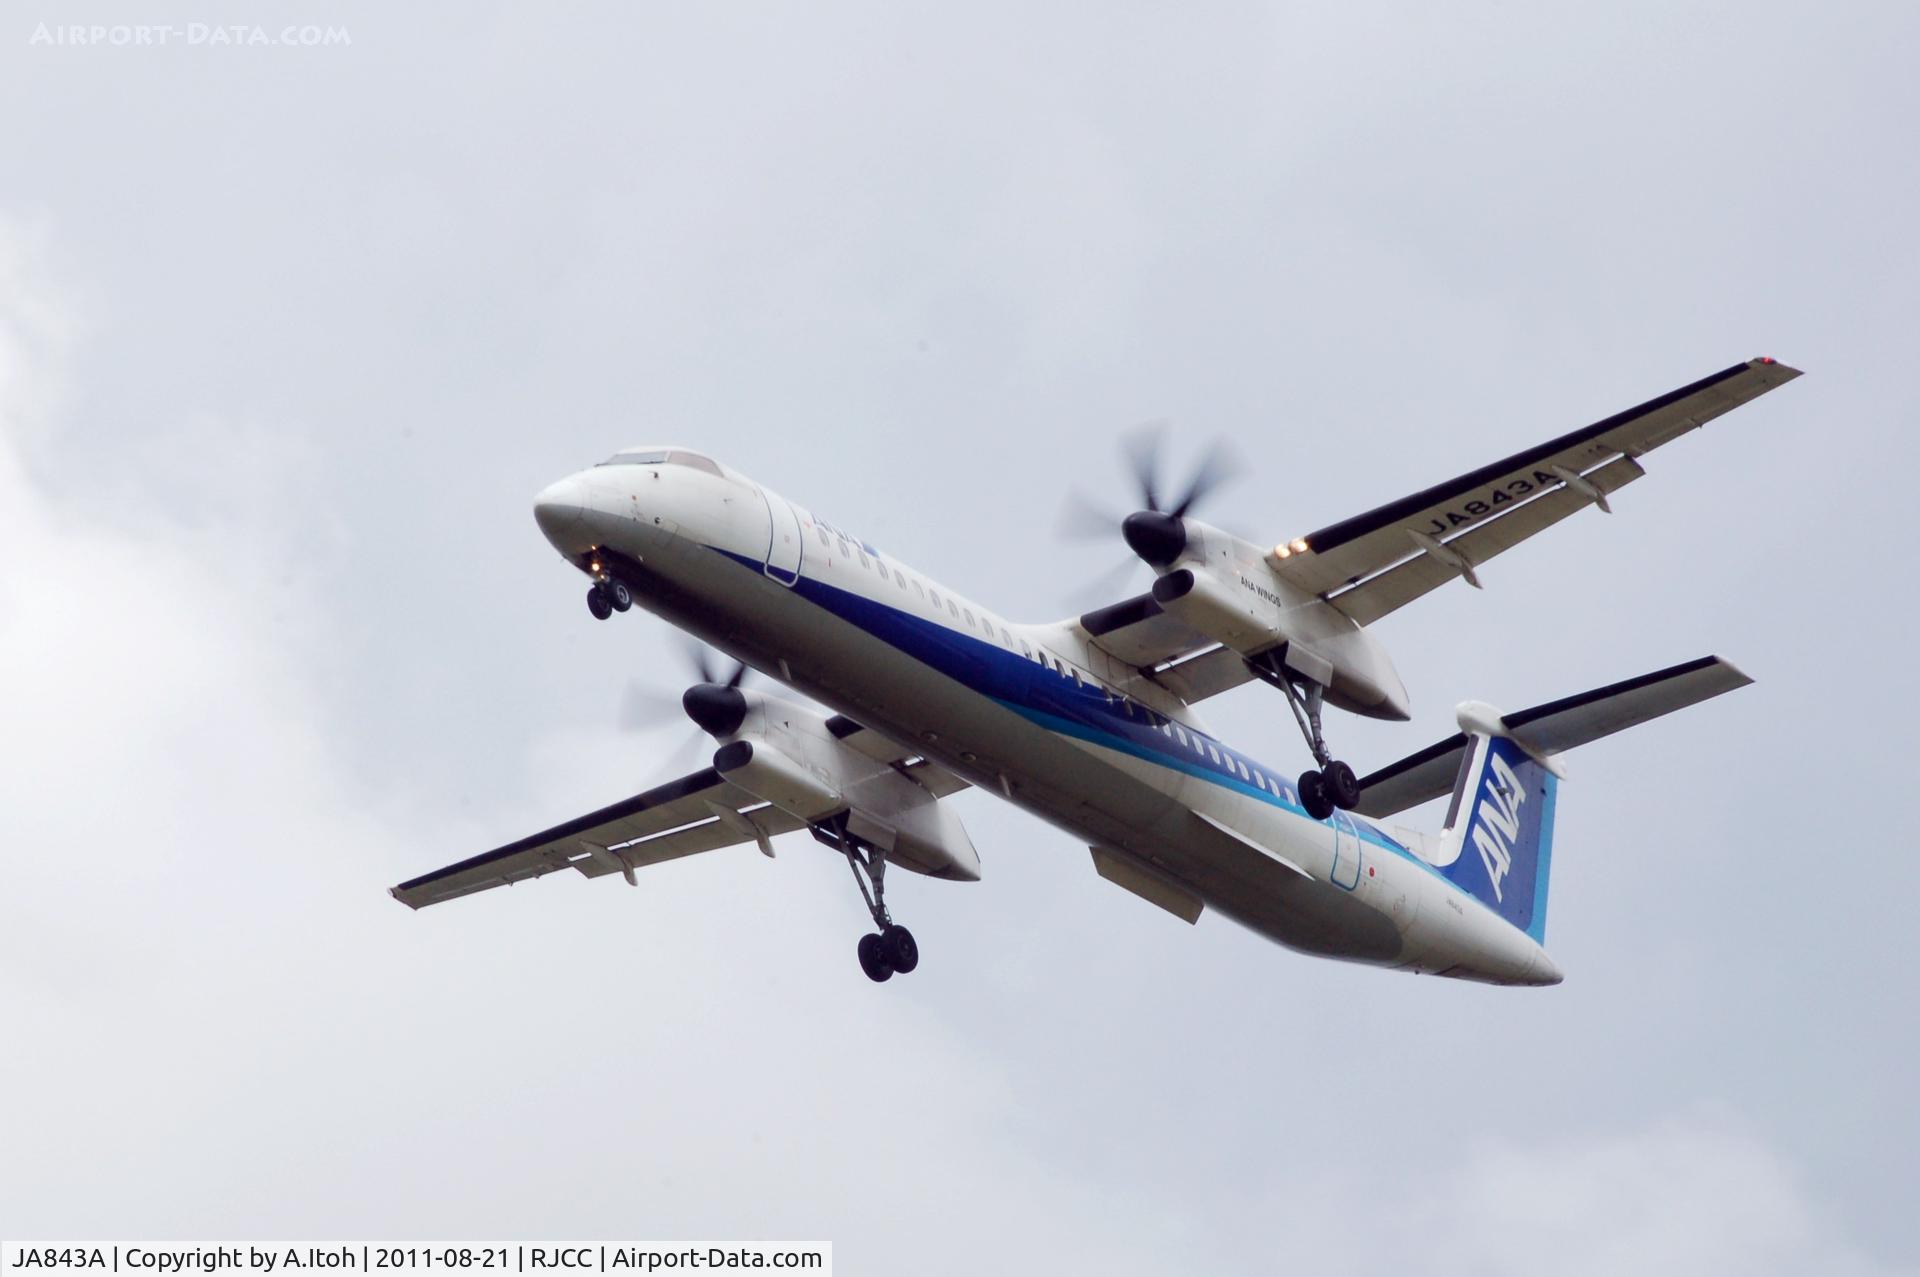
(701, 812)
(1373, 563)
(932, 777)
(1138, 633)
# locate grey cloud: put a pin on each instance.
(292, 338)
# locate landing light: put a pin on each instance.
(1299, 545)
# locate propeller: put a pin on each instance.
(1156, 534)
(713, 702)
(700, 656)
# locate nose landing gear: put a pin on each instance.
(891, 950)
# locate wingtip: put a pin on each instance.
(1743, 678)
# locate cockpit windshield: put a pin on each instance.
(662, 457)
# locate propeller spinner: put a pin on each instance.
(1158, 533)
(713, 702)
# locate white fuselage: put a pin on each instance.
(1035, 713)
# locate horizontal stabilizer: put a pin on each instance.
(1552, 728)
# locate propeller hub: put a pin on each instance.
(1158, 538)
(716, 710)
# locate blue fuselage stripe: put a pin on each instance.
(1059, 703)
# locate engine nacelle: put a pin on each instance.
(1219, 611)
(766, 773)
(1321, 643)
(812, 775)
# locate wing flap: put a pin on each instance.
(1137, 632)
(882, 748)
(1208, 674)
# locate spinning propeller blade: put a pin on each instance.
(1155, 533)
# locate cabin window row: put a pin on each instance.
(1041, 657)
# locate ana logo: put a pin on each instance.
(1496, 822)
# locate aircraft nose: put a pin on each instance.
(561, 510)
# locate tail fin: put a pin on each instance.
(1498, 843)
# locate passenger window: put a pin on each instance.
(1244, 775)
(1181, 733)
(953, 609)
(969, 612)
(918, 589)
(900, 578)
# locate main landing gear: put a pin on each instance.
(891, 949)
(608, 597)
(1333, 784)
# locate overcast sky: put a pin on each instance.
(290, 336)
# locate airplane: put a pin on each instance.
(1089, 722)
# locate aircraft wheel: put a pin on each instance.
(599, 604)
(1314, 796)
(1341, 785)
(873, 959)
(619, 595)
(903, 954)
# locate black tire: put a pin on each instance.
(598, 604)
(873, 959)
(903, 954)
(619, 595)
(1314, 796)
(1342, 785)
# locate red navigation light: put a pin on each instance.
(1766, 359)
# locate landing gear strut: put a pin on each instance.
(891, 949)
(1334, 784)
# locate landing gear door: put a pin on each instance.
(785, 544)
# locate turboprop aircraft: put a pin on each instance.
(1089, 722)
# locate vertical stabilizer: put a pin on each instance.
(1498, 844)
